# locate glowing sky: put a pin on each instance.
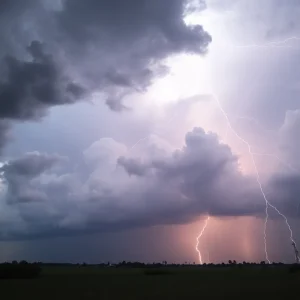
(112, 135)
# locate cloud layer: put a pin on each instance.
(123, 191)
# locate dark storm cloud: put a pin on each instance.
(114, 47)
(167, 189)
(30, 165)
(202, 172)
(128, 40)
(158, 24)
(30, 87)
(19, 173)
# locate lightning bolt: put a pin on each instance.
(199, 237)
(272, 155)
(275, 44)
(267, 203)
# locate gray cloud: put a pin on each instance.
(30, 87)
(158, 24)
(19, 176)
(116, 48)
(132, 166)
(289, 143)
(30, 165)
(4, 129)
(129, 40)
(173, 188)
(284, 193)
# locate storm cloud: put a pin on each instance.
(124, 45)
(30, 87)
(129, 40)
(167, 189)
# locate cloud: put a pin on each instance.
(289, 143)
(128, 41)
(30, 87)
(19, 175)
(4, 129)
(133, 166)
(76, 48)
(166, 188)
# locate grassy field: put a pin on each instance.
(90, 282)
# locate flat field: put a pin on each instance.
(92, 282)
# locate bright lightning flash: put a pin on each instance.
(199, 237)
(268, 204)
(252, 154)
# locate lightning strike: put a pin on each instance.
(286, 164)
(297, 258)
(199, 237)
(275, 44)
(139, 141)
(268, 204)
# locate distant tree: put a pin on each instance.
(230, 262)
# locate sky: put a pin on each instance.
(124, 125)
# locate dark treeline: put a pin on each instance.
(24, 269)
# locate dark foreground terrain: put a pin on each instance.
(186, 282)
